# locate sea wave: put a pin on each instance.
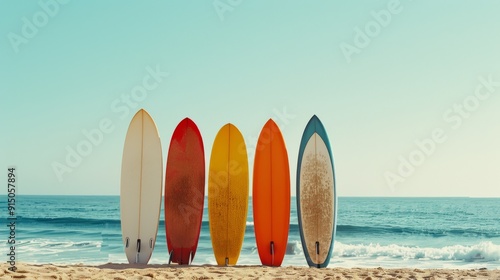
(37, 244)
(66, 221)
(89, 222)
(482, 252)
(433, 232)
(293, 247)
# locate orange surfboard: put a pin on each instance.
(271, 195)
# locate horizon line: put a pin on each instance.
(343, 196)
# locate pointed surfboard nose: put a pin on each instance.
(187, 119)
(271, 123)
(314, 119)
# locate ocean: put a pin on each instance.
(371, 232)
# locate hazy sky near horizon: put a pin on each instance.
(408, 91)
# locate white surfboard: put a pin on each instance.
(141, 188)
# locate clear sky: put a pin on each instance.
(383, 76)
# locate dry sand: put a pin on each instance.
(125, 271)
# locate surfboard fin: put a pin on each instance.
(170, 257)
(317, 252)
(151, 243)
(190, 257)
(126, 243)
(272, 253)
(138, 250)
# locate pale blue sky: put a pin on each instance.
(252, 62)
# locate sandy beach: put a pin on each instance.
(125, 271)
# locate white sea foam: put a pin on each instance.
(294, 247)
(482, 252)
(60, 251)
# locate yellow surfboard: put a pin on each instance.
(228, 194)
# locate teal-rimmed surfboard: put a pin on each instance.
(316, 195)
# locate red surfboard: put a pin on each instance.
(271, 195)
(184, 192)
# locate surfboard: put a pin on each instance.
(271, 195)
(316, 195)
(228, 194)
(140, 188)
(184, 192)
